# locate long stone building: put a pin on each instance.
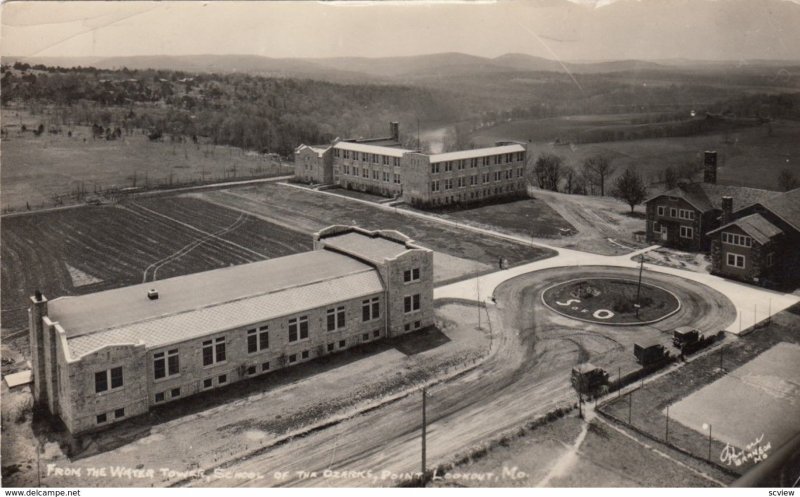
(101, 358)
(382, 166)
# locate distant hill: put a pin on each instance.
(387, 69)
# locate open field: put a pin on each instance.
(765, 390)
(600, 225)
(89, 249)
(747, 156)
(305, 210)
(529, 217)
(37, 168)
(604, 458)
(648, 405)
(253, 414)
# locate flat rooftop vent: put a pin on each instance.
(152, 294)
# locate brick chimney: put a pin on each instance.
(727, 209)
(37, 311)
(710, 167)
(394, 130)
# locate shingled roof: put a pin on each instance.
(786, 206)
(708, 196)
(754, 225)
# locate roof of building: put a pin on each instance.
(318, 149)
(786, 206)
(184, 326)
(477, 152)
(372, 149)
(708, 196)
(201, 303)
(372, 248)
(754, 225)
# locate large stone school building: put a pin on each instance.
(105, 357)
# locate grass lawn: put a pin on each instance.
(747, 157)
(37, 168)
(610, 301)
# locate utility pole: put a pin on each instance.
(639, 287)
(619, 382)
(629, 406)
(666, 434)
(478, 296)
(424, 430)
(418, 142)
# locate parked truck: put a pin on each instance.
(650, 352)
(587, 378)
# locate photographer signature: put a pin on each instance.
(755, 451)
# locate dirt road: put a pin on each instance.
(525, 376)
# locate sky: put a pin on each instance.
(556, 29)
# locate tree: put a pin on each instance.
(547, 171)
(670, 178)
(787, 180)
(630, 188)
(598, 169)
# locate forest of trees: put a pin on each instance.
(251, 112)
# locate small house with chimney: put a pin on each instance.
(680, 218)
(758, 244)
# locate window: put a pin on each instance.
(175, 392)
(336, 318)
(661, 210)
(160, 397)
(411, 275)
(304, 354)
(417, 324)
(770, 259)
(365, 337)
(119, 413)
(376, 333)
(265, 366)
(687, 232)
(435, 186)
(370, 309)
(257, 339)
(251, 370)
(407, 327)
(111, 376)
(686, 214)
(292, 358)
(342, 343)
(673, 212)
(222, 379)
(102, 418)
(735, 260)
(101, 381)
(207, 383)
(165, 364)
(330, 347)
(411, 303)
(213, 351)
(434, 168)
(298, 328)
(735, 239)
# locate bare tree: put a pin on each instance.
(630, 188)
(570, 179)
(598, 168)
(547, 171)
(670, 178)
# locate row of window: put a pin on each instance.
(478, 194)
(685, 231)
(410, 275)
(738, 260)
(676, 213)
(366, 157)
(107, 416)
(735, 239)
(377, 175)
(461, 181)
(447, 166)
